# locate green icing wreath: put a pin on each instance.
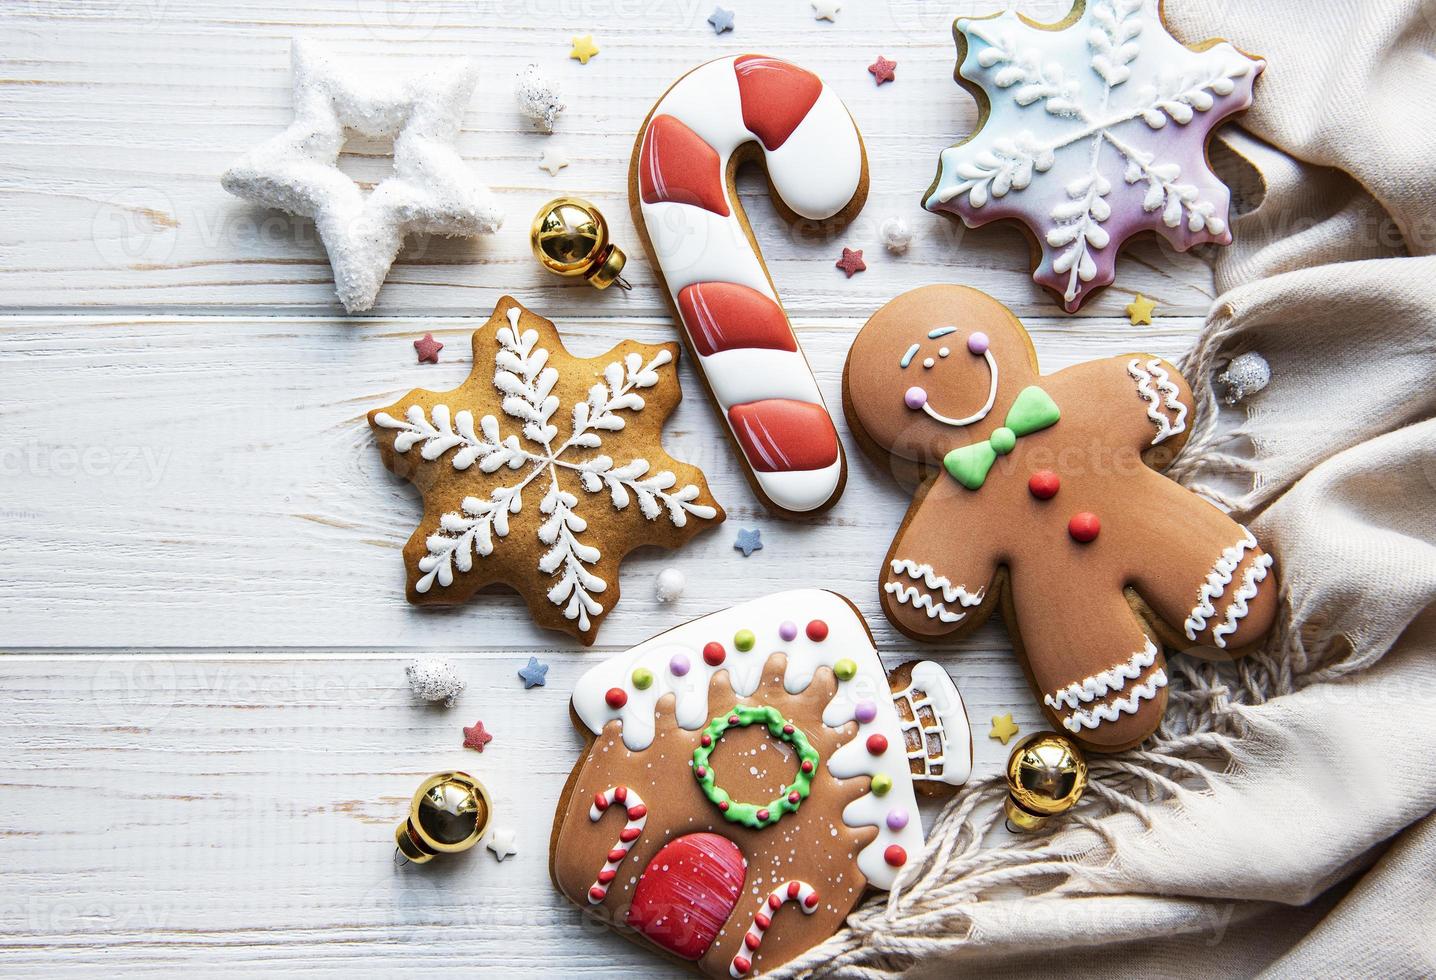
(752, 814)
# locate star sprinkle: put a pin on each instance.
(1096, 131)
(553, 160)
(748, 541)
(1140, 310)
(722, 20)
(501, 842)
(1003, 728)
(475, 737)
(583, 49)
(431, 190)
(826, 9)
(852, 262)
(882, 70)
(533, 673)
(428, 349)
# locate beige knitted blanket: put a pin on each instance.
(1281, 821)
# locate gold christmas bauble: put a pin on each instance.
(1046, 776)
(449, 813)
(570, 237)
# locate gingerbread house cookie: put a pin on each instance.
(749, 776)
(1041, 495)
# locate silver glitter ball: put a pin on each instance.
(435, 680)
(1245, 375)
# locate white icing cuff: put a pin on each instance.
(694, 245)
(751, 374)
(818, 168)
(1113, 678)
(801, 490)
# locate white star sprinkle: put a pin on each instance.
(431, 191)
(553, 160)
(501, 842)
(826, 9)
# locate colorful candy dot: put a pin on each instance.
(713, 654)
(763, 815)
(616, 698)
(1044, 484)
(744, 640)
(882, 782)
(928, 362)
(1003, 440)
(895, 856)
(915, 398)
(817, 631)
(701, 772)
(806, 766)
(680, 664)
(732, 719)
(787, 729)
(794, 797)
(1084, 527)
(865, 712)
(643, 678)
(977, 342)
(897, 818)
(845, 669)
(706, 739)
(788, 630)
(877, 744)
(944, 351)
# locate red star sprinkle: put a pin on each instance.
(428, 349)
(476, 738)
(882, 70)
(852, 261)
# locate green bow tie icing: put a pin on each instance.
(1033, 411)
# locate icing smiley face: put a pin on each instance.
(930, 381)
(916, 397)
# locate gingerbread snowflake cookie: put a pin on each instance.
(1040, 497)
(542, 470)
(749, 775)
(1092, 130)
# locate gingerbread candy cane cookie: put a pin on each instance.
(685, 205)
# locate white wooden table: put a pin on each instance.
(207, 735)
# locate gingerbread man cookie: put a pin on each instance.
(686, 207)
(542, 470)
(748, 776)
(1040, 495)
(1091, 131)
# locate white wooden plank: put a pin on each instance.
(212, 482)
(118, 118)
(227, 814)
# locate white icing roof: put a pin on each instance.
(847, 639)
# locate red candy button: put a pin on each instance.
(817, 631)
(1084, 527)
(1044, 484)
(616, 698)
(877, 744)
(895, 856)
(713, 654)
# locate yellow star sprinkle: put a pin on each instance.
(1140, 310)
(1002, 728)
(583, 49)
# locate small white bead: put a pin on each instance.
(670, 584)
(897, 236)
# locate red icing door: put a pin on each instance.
(687, 893)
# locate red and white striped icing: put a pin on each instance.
(737, 328)
(637, 814)
(793, 891)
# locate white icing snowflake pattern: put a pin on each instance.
(1094, 132)
(522, 375)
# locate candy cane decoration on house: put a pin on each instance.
(683, 198)
(794, 891)
(637, 816)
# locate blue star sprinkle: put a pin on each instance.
(749, 540)
(722, 20)
(535, 674)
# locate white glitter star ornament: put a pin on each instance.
(431, 191)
